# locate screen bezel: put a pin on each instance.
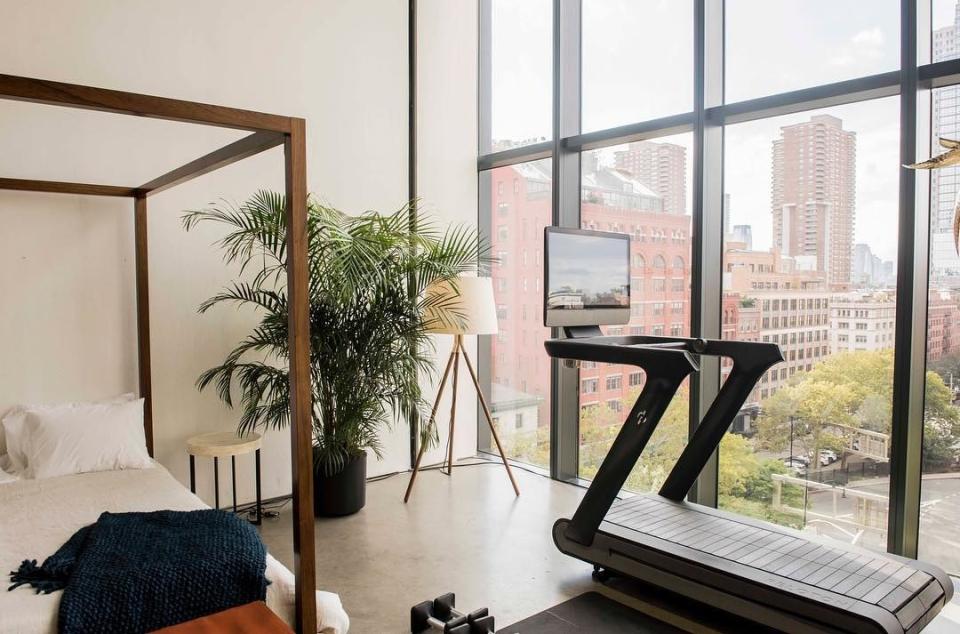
(587, 316)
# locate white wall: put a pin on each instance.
(67, 326)
(447, 164)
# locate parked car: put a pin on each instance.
(827, 456)
(795, 465)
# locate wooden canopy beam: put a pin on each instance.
(54, 93)
(57, 187)
(236, 151)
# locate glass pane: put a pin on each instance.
(520, 198)
(521, 54)
(940, 506)
(642, 189)
(808, 264)
(637, 61)
(773, 47)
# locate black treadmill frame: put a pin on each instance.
(734, 587)
(667, 361)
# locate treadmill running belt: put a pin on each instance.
(867, 577)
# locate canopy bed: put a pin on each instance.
(267, 131)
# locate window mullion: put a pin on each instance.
(707, 221)
(564, 437)
(909, 365)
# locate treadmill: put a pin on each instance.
(774, 576)
(771, 575)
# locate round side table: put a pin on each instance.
(218, 445)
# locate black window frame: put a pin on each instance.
(706, 120)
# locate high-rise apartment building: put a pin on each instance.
(660, 166)
(813, 198)
(869, 270)
(742, 234)
(727, 213)
(945, 182)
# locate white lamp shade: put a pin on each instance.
(465, 306)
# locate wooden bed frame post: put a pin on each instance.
(143, 314)
(301, 397)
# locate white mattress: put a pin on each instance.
(38, 516)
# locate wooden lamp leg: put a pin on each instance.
(457, 345)
(433, 414)
(493, 429)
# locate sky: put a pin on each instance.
(637, 65)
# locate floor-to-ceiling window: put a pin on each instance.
(940, 491)
(752, 151)
(808, 264)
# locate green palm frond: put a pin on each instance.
(369, 316)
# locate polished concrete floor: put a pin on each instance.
(467, 534)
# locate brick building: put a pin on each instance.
(611, 200)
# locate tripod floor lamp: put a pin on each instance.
(471, 298)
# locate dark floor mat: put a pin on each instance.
(590, 612)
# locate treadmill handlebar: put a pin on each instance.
(667, 361)
(613, 350)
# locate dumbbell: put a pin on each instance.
(441, 615)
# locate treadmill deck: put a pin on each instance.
(851, 573)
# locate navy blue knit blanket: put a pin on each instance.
(138, 572)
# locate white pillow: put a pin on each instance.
(84, 438)
(13, 427)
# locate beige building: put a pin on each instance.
(813, 198)
(791, 308)
(862, 321)
(746, 270)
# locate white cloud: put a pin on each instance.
(869, 37)
(862, 47)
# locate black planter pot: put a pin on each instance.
(343, 493)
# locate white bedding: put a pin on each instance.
(38, 516)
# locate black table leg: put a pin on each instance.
(216, 481)
(259, 516)
(193, 475)
(233, 480)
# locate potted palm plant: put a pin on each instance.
(368, 324)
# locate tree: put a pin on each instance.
(852, 389)
(600, 425)
(947, 366)
(815, 408)
(739, 469)
(939, 439)
(874, 413)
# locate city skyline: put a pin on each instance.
(617, 30)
